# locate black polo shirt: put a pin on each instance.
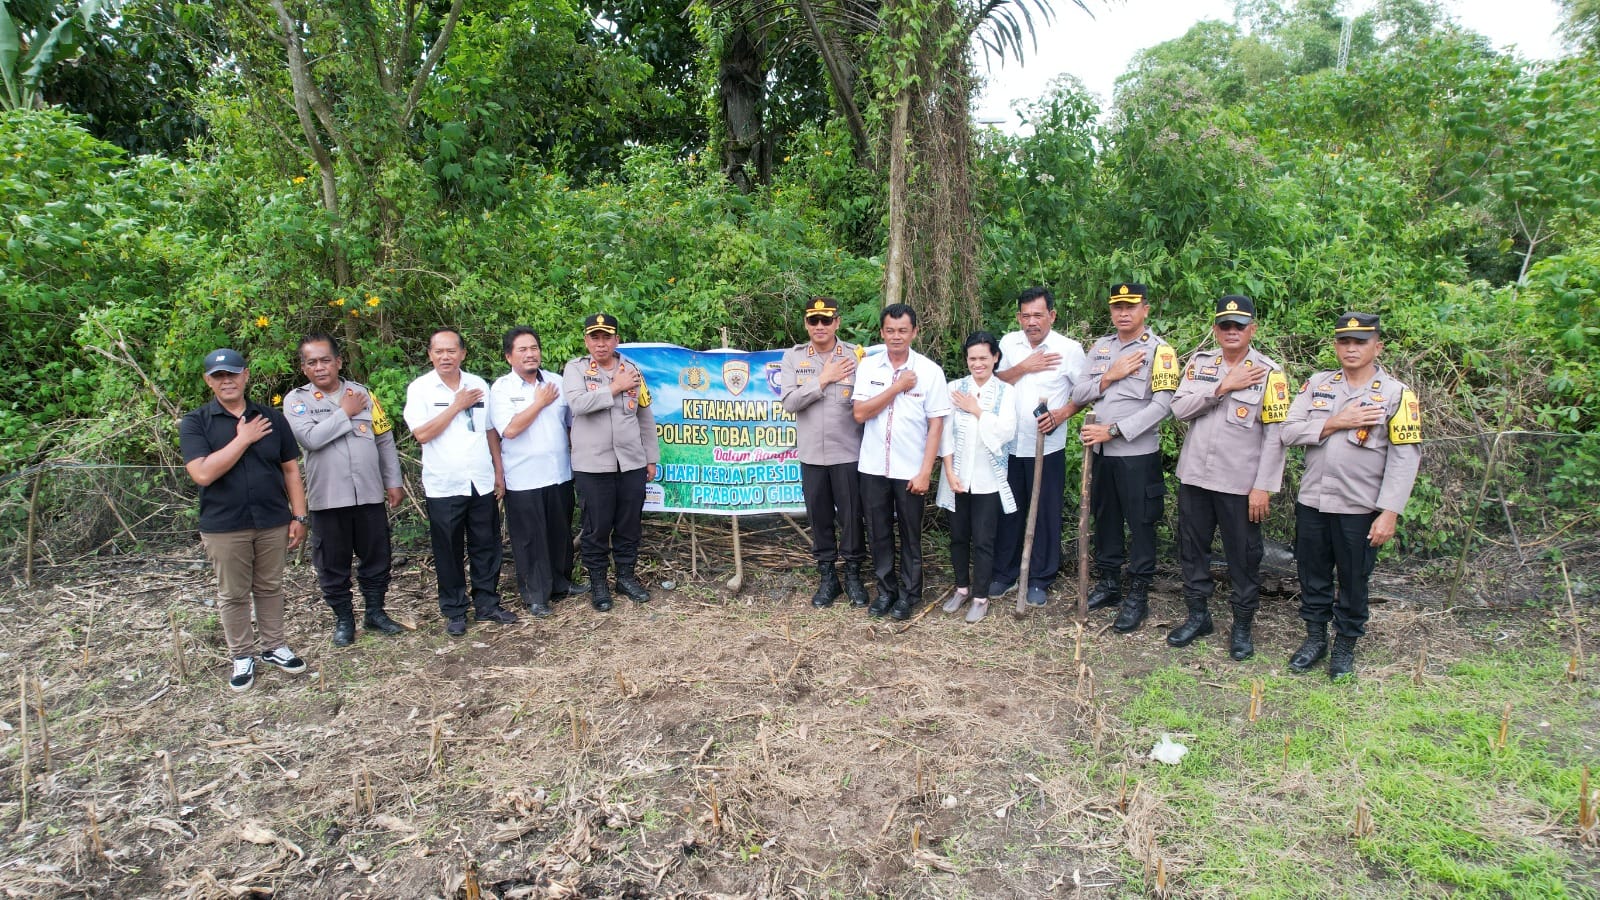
(251, 494)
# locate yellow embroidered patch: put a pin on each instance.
(644, 392)
(1275, 401)
(1164, 371)
(380, 419)
(1405, 426)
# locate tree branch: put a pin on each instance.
(428, 62)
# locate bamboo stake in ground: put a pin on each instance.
(22, 682)
(1586, 811)
(1286, 751)
(1505, 727)
(1033, 520)
(1575, 667)
(95, 841)
(1422, 664)
(1362, 824)
(177, 646)
(44, 724)
(172, 783)
(1083, 527)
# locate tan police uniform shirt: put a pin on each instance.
(350, 460)
(1233, 445)
(1136, 404)
(1356, 470)
(827, 433)
(610, 433)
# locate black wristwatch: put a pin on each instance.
(303, 520)
(1113, 430)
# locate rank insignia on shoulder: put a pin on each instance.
(380, 419)
(1303, 386)
(317, 395)
(1405, 426)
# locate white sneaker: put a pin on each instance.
(956, 601)
(244, 673)
(284, 658)
(980, 608)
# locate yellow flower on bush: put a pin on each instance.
(277, 399)
(672, 281)
(262, 321)
(299, 179)
(356, 313)
(373, 301)
(337, 302)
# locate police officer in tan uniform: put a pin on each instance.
(817, 379)
(1132, 374)
(1362, 430)
(1234, 399)
(614, 454)
(352, 468)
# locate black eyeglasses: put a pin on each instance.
(819, 320)
(1231, 326)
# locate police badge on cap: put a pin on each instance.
(1236, 308)
(1358, 325)
(600, 322)
(1128, 292)
(822, 306)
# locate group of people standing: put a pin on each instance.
(871, 430)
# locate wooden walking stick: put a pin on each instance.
(736, 583)
(1033, 520)
(1083, 527)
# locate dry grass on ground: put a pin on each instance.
(699, 746)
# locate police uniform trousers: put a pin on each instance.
(890, 506)
(474, 521)
(539, 523)
(1127, 491)
(339, 533)
(612, 525)
(1329, 542)
(1201, 513)
(833, 499)
(973, 525)
(1045, 562)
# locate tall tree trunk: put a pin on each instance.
(841, 78)
(894, 266)
(741, 82)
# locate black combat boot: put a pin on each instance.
(1240, 646)
(1107, 592)
(828, 589)
(375, 619)
(1316, 644)
(630, 587)
(854, 587)
(344, 627)
(599, 593)
(1197, 625)
(1342, 661)
(1135, 606)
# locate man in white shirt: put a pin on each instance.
(902, 399)
(528, 411)
(446, 414)
(1042, 365)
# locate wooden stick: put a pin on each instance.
(22, 681)
(95, 841)
(27, 555)
(737, 581)
(172, 783)
(716, 807)
(1033, 521)
(1083, 526)
(1505, 727)
(366, 784)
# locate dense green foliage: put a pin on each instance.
(542, 166)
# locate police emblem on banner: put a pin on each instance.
(775, 377)
(736, 376)
(694, 377)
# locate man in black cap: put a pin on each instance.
(1362, 430)
(252, 511)
(1234, 399)
(1132, 376)
(817, 379)
(614, 454)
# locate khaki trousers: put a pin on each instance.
(249, 564)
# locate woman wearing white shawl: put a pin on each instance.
(975, 446)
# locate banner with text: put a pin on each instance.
(727, 445)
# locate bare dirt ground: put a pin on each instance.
(703, 745)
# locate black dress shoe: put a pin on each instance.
(456, 626)
(901, 610)
(573, 589)
(498, 614)
(630, 587)
(880, 605)
(539, 610)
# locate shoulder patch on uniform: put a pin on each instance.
(1275, 403)
(644, 392)
(1405, 426)
(380, 419)
(1164, 371)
